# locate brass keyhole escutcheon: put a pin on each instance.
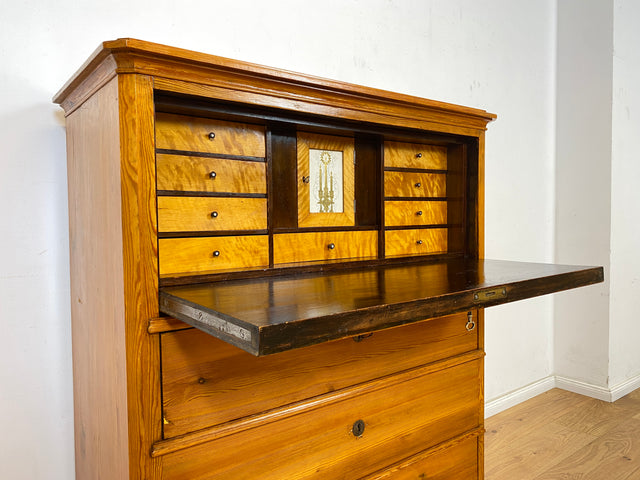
(358, 428)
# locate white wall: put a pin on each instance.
(497, 55)
(624, 336)
(583, 184)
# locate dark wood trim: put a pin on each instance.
(416, 199)
(212, 233)
(184, 193)
(187, 153)
(284, 176)
(415, 170)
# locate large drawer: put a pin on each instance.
(415, 155)
(423, 241)
(209, 254)
(407, 213)
(324, 246)
(195, 134)
(207, 174)
(189, 214)
(344, 436)
(207, 382)
(415, 184)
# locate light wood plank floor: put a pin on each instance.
(562, 435)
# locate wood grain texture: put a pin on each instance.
(418, 213)
(457, 460)
(315, 246)
(190, 214)
(137, 177)
(415, 155)
(305, 445)
(415, 242)
(307, 141)
(196, 255)
(414, 184)
(97, 310)
(193, 174)
(208, 382)
(192, 134)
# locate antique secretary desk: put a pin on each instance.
(326, 242)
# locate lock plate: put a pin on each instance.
(490, 294)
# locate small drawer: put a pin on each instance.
(191, 214)
(207, 382)
(206, 174)
(423, 241)
(415, 184)
(194, 134)
(323, 246)
(407, 213)
(344, 435)
(179, 256)
(415, 155)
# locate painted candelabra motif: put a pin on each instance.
(326, 184)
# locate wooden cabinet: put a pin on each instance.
(326, 242)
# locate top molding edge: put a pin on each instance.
(152, 51)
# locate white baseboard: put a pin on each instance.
(518, 396)
(512, 399)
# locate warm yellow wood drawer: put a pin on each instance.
(195, 134)
(206, 174)
(415, 184)
(209, 254)
(402, 415)
(415, 241)
(456, 462)
(207, 382)
(190, 214)
(319, 246)
(407, 213)
(415, 155)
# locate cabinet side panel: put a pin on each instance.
(140, 247)
(97, 308)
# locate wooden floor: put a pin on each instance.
(561, 435)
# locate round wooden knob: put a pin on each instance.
(212, 174)
(214, 214)
(211, 135)
(331, 246)
(216, 253)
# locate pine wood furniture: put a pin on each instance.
(327, 241)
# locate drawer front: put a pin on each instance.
(190, 214)
(323, 246)
(415, 242)
(415, 155)
(205, 174)
(402, 416)
(194, 134)
(207, 382)
(457, 462)
(407, 213)
(414, 184)
(198, 255)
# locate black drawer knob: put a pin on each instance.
(212, 175)
(418, 155)
(418, 185)
(419, 242)
(211, 135)
(419, 212)
(358, 428)
(216, 253)
(331, 246)
(214, 214)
